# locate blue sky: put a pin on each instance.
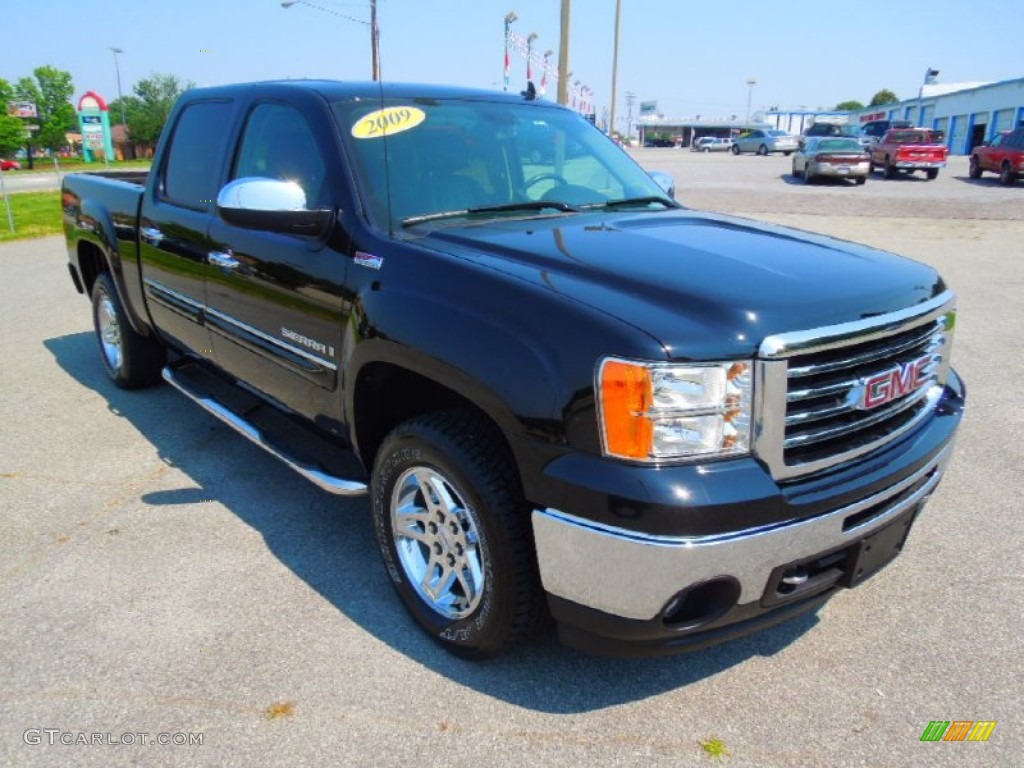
(692, 56)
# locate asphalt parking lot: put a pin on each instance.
(160, 575)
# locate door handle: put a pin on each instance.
(222, 260)
(152, 234)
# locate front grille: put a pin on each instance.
(824, 390)
(818, 381)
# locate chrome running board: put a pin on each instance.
(336, 485)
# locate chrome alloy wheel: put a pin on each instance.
(437, 539)
(109, 333)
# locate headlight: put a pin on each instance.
(666, 411)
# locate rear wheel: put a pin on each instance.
(1006, 177)
(454, 532)
(932, 173)
(796, 173)
(707, 149)
(807, 174)
(762, 150)
(975, 170)
(890, 169)
(861, 180)
(130, 359)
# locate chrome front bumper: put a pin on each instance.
(634, 576)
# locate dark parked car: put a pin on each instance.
(874, 130)
(1003, 155)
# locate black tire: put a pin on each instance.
(975, 169)
(1006, 177)
(762, 150)
(931, 173)
(797, 174)
(707, 149)
(889, 171)
(808, 178)
(493, 599)
(130, 359)
(861, 180)
(787, 154)
(735, 149)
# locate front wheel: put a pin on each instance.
(762, 150)
(454, 532)
(130, 359)
(1006, 177)
(975, 169)
(735, 149)
(890, 169)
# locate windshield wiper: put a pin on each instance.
(526, 205)
(635, 201)
(408, 222)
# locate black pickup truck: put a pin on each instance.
(566, 395)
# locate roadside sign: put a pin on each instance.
(22, 109)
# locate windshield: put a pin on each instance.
(483, 158)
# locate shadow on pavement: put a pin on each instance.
(328, 542)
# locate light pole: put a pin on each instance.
(751, 82)
(509, 18)
(929, 78)
(615, 66)
(120, 99)
(563, 54)
(372, 24)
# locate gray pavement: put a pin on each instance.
(160, 575)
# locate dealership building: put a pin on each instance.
(967, 113)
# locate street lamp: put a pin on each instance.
(372, 24)
(509, 18)
(751, 82)
(120, 99)
(929, 78)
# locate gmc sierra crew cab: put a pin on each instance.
(565, 394)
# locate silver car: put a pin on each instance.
(764, 141)
(712, 144)
(835, 157)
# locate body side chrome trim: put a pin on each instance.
(227, 319)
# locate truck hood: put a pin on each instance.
(703, 285)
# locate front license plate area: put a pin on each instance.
(871, 554)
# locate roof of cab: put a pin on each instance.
(337, 90)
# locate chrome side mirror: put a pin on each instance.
(270, 204)
(665, 181)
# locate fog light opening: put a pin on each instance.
(702, 603)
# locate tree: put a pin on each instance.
(51, 91)
(150, 105)
(849, 106)
(884, 96)
(12, 129)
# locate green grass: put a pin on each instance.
(69, 165)
(36, 214)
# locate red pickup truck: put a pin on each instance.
(909, 149)
(1003, 155)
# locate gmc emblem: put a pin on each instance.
(893, 384)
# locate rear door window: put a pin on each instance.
(196, 155)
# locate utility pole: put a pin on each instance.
(615, 66)
(563, 56)
(374, 41)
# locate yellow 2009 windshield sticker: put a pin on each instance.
(385, 122)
